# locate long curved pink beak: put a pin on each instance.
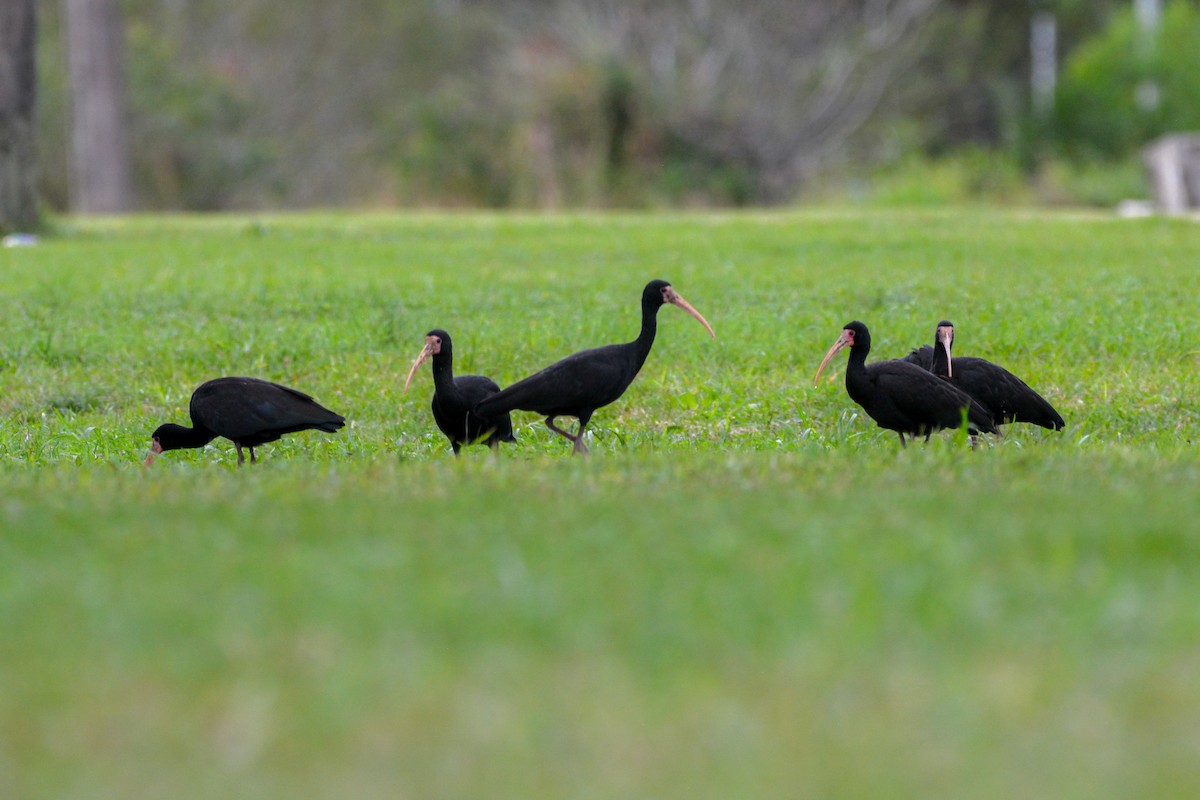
(674, 299)
(155, 449)
(945, 335)
(426, 352)
(841, 342)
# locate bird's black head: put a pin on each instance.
(943, 343)
(656, 293)
(659, 292)
(437, 346)
(856, 335)
(174, 437)
(944, 334)
(166, 437)
(438, 342)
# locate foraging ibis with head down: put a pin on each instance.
(900, 396)
(454, 398)
(581, 383)
(247, 411)
(1006, 397)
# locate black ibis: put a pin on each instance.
(582, 382)
(901, 396)
(247, 411)
(1006, 397)
(453, 398)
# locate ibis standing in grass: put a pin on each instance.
(1006, 397)
(247, 411)
(454, 398)
(900, 396)
(581, 383)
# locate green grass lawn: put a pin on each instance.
(748, 591)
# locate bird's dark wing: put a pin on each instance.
(588, 379)
(920, 395)
(921, 356)
(1007, 397)
(245, 408)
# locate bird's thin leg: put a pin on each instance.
(456, 447)
(253, 460)
(580, 447)
(577, 439)
(974, 440)
(241, 458)
(903, 444)
(550, 424)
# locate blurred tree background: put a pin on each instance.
(625, 103)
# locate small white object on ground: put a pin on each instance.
(20, 240)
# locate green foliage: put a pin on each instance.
(578, 133)
(524, 104)
(190, 135)
(450, 157)
(1098, 110)
(1103, 184)
(968, 175)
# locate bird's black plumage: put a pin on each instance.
(454, 398)
(900, 396)
(1006, 397)
(581, 383)
(247, 411)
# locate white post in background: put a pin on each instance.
(1148, 14)
(1043, 56)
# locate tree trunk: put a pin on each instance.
(18, 93)
(100, 174)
